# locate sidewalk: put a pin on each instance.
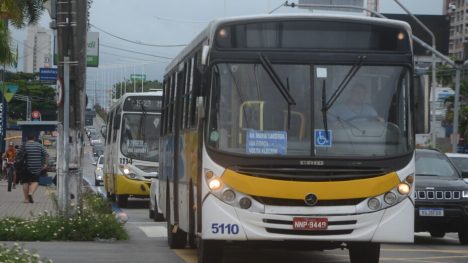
(11, 203)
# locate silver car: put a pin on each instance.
(98, 173)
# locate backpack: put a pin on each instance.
(21, 163)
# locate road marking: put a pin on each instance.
(187, 255)
(154, 231)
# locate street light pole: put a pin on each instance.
(433, 79)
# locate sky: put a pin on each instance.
(170, 22)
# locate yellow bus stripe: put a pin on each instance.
(350, 189)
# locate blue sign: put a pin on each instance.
(48, 74)
(3, 120)
(323, 138)
(266, 142)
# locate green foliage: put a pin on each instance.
(93, 220)
(42, 97)
(101, 112)
(6, 55)
(17, 254)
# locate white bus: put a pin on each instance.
(253, 147)
(132, 146)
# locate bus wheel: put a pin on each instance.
(176, 237)
(122, 200)
(158, 217)
(364, 252)
(210, 251)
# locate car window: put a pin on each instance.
(460, 162)
(434, 164)
(101, 160)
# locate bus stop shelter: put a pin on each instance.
(35, 127)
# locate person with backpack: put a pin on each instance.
(33, 156)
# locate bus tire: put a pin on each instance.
(176, 238)
(210, 251)
(364, 252)
(157, 217)
(122, 200)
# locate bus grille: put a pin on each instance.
(437, 195)
(310, 174)
(296, 202)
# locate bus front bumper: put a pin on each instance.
(225, 222)
(133, 187)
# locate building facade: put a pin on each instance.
(37, 49)
(458, 43)
(369, 4)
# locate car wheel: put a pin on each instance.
(463, 236)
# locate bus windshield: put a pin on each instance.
(140, 136)
(335, 113)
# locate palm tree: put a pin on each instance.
(20, 13)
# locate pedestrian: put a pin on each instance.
(36, 162)
(9, 156)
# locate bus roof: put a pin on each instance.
(206, 35)
(136, 94)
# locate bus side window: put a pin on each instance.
(194, 91)
(116, 116)
(110, 126)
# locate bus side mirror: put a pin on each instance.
(421, 107)
(104, 130)
(200, 107)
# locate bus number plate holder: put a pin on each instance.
(308, 223)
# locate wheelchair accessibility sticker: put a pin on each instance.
(323, 138)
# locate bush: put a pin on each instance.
(17, 254)
(93, 220)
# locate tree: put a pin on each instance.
(20, 13)
(42, 97)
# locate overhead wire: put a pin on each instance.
(137, 42)
(135, 52)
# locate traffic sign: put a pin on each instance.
(138, 76)
(9, 91)
(48, 74)
(36, 115)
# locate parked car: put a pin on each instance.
(95, 139)
(98, 173)
(98, 150)
(460, 160)
(441, 196)
(154, 211)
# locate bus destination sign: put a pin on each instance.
(140, 103)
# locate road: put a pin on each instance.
(151, 235)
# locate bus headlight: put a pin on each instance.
(403, 188)
(215, 184)
(230, 196)
(129, 173)
(388, 199)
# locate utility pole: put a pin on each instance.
(71, 37)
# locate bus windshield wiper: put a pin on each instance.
(278, 84)
(351, 73)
